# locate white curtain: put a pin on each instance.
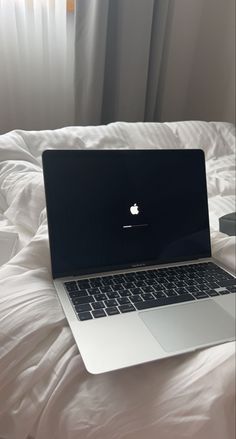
(118, 57)
(36, 64)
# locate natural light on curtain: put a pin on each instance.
(36, 64)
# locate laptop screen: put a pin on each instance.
(125, 208)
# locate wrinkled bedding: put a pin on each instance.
(45, 391)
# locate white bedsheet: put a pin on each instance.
(45, 391)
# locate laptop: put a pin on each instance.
(131, 255)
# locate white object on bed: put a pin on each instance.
(45, 390)
(8, 243)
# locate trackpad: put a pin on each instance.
(192, 325)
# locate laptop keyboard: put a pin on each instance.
(104, 296)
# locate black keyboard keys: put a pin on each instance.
(126, 308)
(111, 295)
(232, 289)
(84, 316)
(85, 299)
(110, 302)
(136, 298)
(200, 295)
(82, 308)
(162, 301)
(71, 286)
(98, 313)
(212, 293)
(98, 305)
(226, 283)
(112, 311)
(123, 300)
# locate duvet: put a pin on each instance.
(45, 391)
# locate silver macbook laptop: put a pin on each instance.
(131, 255)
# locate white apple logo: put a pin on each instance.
(134, 209)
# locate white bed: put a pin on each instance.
(45, 391)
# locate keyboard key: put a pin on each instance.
(118, 279)
(147, 296)
(136, 298)
(166, 285)
(204, 287)
(85, 299)
(112, 311)
(82, 308)
(200, 295)
(140, 276)
(78, 293)
(98, 305)
(106, 281)
(98, 313)
(151, 273)
(232, 289)
(193, 276)
(180, 290)
(148, 289)
(159, 294)
(75, 300)
(229, 276)
(170, 293)
(224, 292)
(187, 283)
(129, 277)
(118, 287)
(125, 293)
(82, 293)
(140, 283)
(93, 291)
(119, 292)
(212, 293)
(224, 274)
(157, 286)
(123, 300)
(113, 295)
(180, 283)
(159, 290)
(171, 285)
(150, 282)
(227, 283)
(83, 284)
(95, 282)
(71, 286)
(111, 302)
(192, 289)
(212, 285)
(105, 289)
(106, 278)
(84, 316)
(162, 281)
(128, 285)
(136, 290)
(101, 296)
(162, 301)
(126, 308)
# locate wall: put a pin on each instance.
(198, 74)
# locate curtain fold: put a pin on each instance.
(36, 69)
(118, 53)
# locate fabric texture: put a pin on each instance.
(118, 52)
(36, 69)
(45, 390)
